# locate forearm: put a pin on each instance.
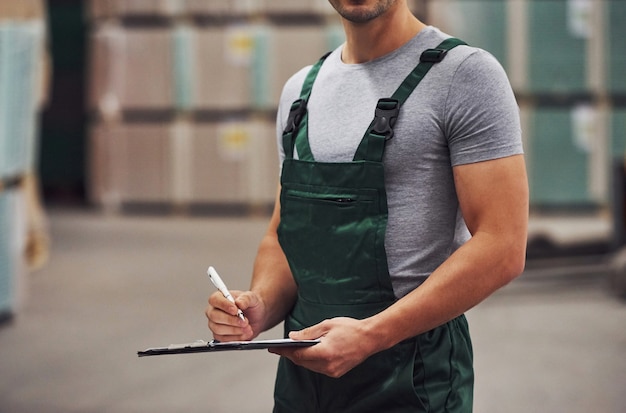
(493, 197)
(468, 277)
(272, 280)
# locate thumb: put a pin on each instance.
(246, 300)
(310, 333)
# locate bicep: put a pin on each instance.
(493, 196)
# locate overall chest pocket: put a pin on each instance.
(334, 239)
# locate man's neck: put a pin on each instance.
(376, 38)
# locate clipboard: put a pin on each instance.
(201, 346)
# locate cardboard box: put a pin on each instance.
(292, 48)
(130, 163)
(220, 162)
(131, 69)
(223, 59)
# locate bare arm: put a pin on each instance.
(272, 279)
(271, 296)
(493, 197)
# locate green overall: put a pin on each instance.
(332, 231)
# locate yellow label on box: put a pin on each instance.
(240, 45)
(233, 142)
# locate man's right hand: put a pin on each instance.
(223, 319)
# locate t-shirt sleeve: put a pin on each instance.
(481, 115)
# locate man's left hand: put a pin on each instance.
(344, 345)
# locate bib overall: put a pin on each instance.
(332, 231)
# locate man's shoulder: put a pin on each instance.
(457, 56)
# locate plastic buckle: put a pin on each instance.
(296, 113)
(387, 111)
(433, 55)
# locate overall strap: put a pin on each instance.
(380, 129)
(297, 122)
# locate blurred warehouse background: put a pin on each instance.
(161, 108)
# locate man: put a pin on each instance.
(394, 217)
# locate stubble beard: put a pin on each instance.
(362, 14)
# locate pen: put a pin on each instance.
(219, 284)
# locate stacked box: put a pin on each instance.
(223, 72)
(132, 69)
(106, 45)
(559, 157)
(481, 23)
(228, 162)
(148, 79)
(20, 47)
(130, 163)
(292, 48)
(222, 65)
(558, 34)
(234, 162)
(616, 53)
(183, 67)
(618, 133)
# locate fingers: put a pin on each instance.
(245, 300)
(223, 320)
(336, 354)
(319, 359)
(218, 301)
(310, 333)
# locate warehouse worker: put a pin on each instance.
(403, 203)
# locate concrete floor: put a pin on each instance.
(115, 285)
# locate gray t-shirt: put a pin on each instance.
(463, 111)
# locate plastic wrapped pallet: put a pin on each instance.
(20, 51)
(618, 133)
(183, 67)
(616, 53)
(558, 36)
(562, 144)
(481, 23)
(12, 245)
